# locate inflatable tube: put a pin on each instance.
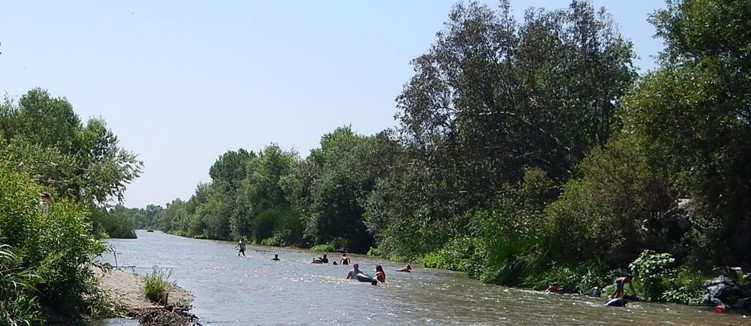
(366, 278)
(617, 302)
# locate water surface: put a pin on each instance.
(254, 290)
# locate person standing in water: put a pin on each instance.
(276, 257)
(241, 245)
(620, 284)
(344, 260)
(380, 275)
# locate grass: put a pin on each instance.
(157, 285)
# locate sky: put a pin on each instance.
(183, 82)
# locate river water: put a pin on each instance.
(254, 290)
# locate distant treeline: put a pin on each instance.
(525, 152)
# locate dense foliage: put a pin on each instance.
(525, 153)
(46, 249)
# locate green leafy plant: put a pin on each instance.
(156, 286)
(655, 272)
(18, 302)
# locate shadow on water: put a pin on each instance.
(254, 290)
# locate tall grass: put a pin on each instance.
(156, 286)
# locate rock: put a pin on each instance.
(744, 303)
(633, 298)
(594, 292)
(706, 300)
(722, 288)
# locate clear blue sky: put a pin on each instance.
(182, 82)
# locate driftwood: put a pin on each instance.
(166, 315)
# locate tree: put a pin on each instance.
(334, 182)
(694, 113)
(47, 140)
(494, 98)
(227, 176)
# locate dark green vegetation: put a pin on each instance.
(526, 152)
(46, 253)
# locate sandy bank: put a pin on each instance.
(124, 288)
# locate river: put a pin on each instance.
(254, 290)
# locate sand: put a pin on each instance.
(124, 288)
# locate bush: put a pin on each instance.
(56, 245)
(278, 227)
(509, 242)
(655, 272)
(325, 247)
(687, 287)
(456, 255)
(114, 225)
(576, 278)
(18, 302)
(156, 286)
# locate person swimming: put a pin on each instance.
(553, 289)
(406, 268)
(353, 273)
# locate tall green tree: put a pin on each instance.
(47, 140)
(493, 98)
(340, 173)
(227, 176)
(695, 113)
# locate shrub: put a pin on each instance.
(509, 241)
(456, 255)
(655, 272)
(18, 302)
(115, 225)
(686, 288)
(325, 247)
(156, 286)
(56, 245)
(575, 278)
(278, 227)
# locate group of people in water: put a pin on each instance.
(380, 274)
(616, 299)
(356, 273)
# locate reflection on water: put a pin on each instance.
(254, 290)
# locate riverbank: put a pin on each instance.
(124, 290)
